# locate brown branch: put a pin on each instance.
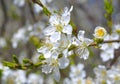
(107, 41)
(5, 17)
(38, 2)
(31, 11)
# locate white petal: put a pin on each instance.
(54, 20)
(55, 37)
(67, 29)
(55, 54)
(65, 20)
(81, 35)
(85, 54)
(45, 51)
(104, 56)
(65, 52)
(114, 36)
(82, 52)
(47, 54)
(88, 41)
(49, 30)
(115, 45)
(75, 41)
(63, 62)
(107, 55)
(80, 67)
(104, 46)
(56, 74)
(46, 69)
(64, 41)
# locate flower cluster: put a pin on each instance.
(57, 48)
(102, 75)
(58, 41)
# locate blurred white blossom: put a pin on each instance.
(3, 42)
(107, 52)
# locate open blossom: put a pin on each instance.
(59, 24)
(51, 51)
(20, 35)
(101, 75)
(77, 71)
(82, 43)
(104, 76)
(99, 32)
(76, 75)
(53, 65)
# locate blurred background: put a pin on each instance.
(22, 19)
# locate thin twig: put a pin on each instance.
(107, 41)
(5, 17)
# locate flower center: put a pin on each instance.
(50, 46)
(59, 28)
(100, 32)
(54, 62)
(104, 73)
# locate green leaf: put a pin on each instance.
(9, 64)
(91, 52)
(46, 11)
(25, 61)
(15, 59)
(41, 57)
(38, 64)
(35, 41)
(71, 47)
(1, 71)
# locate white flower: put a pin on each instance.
(82, 43)
(18, 37)
(101, 75)
(59, 24)
(53, 49)
(34, 79)
(77, 71)
(114, 74)
(99, 32)
(15, 77)
(54, 65)
(77, 75)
